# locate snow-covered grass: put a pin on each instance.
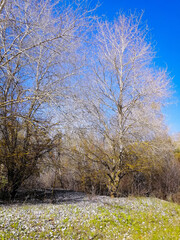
(98, 218)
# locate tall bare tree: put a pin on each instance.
(40, 49)
(127, 94)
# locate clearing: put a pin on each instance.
(92, 218)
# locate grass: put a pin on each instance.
(103, 218)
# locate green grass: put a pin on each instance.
(105, 218)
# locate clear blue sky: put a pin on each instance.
(163, 18)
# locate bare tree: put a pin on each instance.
(40, 55)
(127, 94)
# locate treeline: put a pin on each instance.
(80, 103)
(83, 166)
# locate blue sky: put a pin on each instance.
(163, 19)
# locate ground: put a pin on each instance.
(92, 218)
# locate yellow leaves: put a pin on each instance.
(130, 166)
(155, 106)
(177, 156)
(74, 148)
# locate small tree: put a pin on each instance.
(21, 153)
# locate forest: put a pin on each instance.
(81, 103)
